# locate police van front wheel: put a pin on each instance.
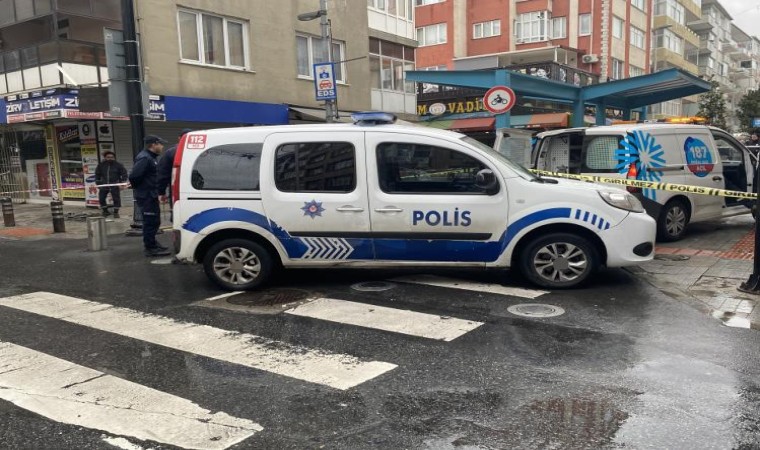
(559, 260)
(238, 264)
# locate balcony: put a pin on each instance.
(39, 66)
(549, 70)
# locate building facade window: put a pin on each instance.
(388, 62)
(669, 108)
(311, 50)
(634, 71)
(672, 9)
(424, 2)
(665, 38)
(617, 27)
(399, 8)
(486, 29)
(584, 24)
(618, 69)
(432, 34)
(532, 26)
(559, 27)
(638, 37)
(212, 40)
(640, 4)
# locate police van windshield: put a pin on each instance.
(522, 171)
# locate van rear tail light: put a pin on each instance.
(176, 165)
(633, 174)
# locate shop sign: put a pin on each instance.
(58, 103)
(469, 105)
(68, 134)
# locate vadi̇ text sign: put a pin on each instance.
(324, 81)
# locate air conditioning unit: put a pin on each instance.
(588, 59)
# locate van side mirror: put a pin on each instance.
(486, 180)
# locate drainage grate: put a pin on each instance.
(536, 310)
(269, 297)
(373, 286)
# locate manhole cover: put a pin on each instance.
(536, 310)
(269, 297)
(373, 286)
(662, 257)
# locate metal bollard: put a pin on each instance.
(8, 219)
(59, 225)
(96, 234)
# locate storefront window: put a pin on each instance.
(70, 153)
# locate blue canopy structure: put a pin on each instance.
(628, 94)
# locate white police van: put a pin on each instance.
(694, 155)
(373, 194)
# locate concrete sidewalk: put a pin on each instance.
(34, 221)
(703, 269)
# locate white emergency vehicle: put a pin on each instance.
(694, 155)
(374, 194)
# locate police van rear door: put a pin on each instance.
(424, 204)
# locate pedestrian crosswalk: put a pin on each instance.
(69, 393)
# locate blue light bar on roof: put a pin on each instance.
(373, 118)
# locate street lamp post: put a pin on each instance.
(324, 23)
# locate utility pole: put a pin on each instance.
(134, 87)
(327, 39)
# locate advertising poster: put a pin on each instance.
(105, 131)
(69, 152)
(52, 162)
(87, 134)
(89, 164)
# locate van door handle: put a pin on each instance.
(389, 209)
(717, 178)
(349, 208)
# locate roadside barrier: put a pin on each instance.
(684, 188)
(59, 224)
(8, 219)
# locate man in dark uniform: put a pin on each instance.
(143, 178)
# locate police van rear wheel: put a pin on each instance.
(559, 260)
(672, 221)
(238, 264)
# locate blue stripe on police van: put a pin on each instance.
(577, 214)
(600, 224)
(332, 248)
(585, 216)
(593, 220)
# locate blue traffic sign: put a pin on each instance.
(324, 81)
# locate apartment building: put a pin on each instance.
(208, 63)
(573, 41)
(744, 71)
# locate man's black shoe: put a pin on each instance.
(151, 252)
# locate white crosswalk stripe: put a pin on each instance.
(330, 369)
(432, 280)
(77, 395)
(388, 319)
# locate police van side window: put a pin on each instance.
(315, 167)
(232, 167)
(600, 154)
(425, 169)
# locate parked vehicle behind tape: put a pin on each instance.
(694, 155)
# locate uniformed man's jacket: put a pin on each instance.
(143, 175)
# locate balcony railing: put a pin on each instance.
(549, 70)
(68, 51)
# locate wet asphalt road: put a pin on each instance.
(624, 367)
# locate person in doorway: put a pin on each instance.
(165, 171)
(144, 180)
(754, 138)
(110, 173)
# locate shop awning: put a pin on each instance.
(316, 114)
(551, 120)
